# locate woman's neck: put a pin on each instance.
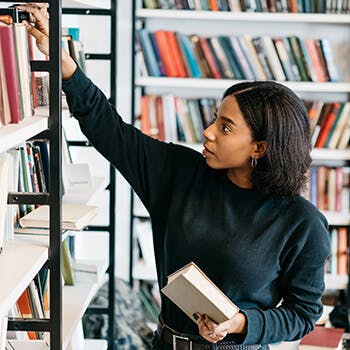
(240, 178)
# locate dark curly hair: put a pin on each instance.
(275, 114)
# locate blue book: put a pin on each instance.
(147, 49)
(157, 54)
(329, 58)
(190, 56)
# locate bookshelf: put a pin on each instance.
(21, 260)
(213, 23)
(78, 299)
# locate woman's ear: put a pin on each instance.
(260, 149)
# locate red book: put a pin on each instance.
(210, 58)
(342, 251)
(322, 338)
(176, 54)
(166, 54)
(327, 125)
(160, 118)
(315, 60)
(11, 75)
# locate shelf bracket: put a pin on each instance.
(28, 198)
(29, 324)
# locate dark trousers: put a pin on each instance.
(162, 341)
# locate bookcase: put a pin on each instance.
(22, 260)
(23, 257)
(335, 26)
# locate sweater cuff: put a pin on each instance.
(77, 84)
(254, 326)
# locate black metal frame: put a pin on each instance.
(112, 57)
(54, 198)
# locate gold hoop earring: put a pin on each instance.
(253, 162)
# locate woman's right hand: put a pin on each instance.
(39, 27)
(40, 31)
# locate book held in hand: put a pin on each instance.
(322, 338)
(74, 217)
(192, 291)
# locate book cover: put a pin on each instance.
(322, 338)
(74, 216)
(202, 295)
(10, 68)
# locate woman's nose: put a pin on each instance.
(208, 133)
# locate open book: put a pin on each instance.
(74, 217)
(192, 291)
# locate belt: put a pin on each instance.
(177, 341)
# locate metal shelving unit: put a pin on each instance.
(82, 8)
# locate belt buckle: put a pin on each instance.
(175, 337)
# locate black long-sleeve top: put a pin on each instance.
(266, 253)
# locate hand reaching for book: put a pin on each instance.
(39, 28)
(213, 332)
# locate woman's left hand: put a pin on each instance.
(213, 332)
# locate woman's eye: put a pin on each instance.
(225, 128)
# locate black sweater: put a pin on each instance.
(266, 253)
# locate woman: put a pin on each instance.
(236, 212)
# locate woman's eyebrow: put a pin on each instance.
(228, 120)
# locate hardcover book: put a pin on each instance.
(192, 291)
(322, 338)
(74, 217)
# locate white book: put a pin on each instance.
(74, 217)
(22, 50)
(27, 345)
(202, 295)
(3, 331)
(273, 59)
(4, 178)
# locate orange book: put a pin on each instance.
(176, 54)
(293, 6)
(166, 54)
(327, 125)
(342, 251)
(208, 54)
(213, 5)
(23, 304)
(315, 60)
(145, 125)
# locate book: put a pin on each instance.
(202, 295)
(322, 338)
(4, 184)
(74, 217)
(10, 68)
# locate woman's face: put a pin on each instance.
(228, 141)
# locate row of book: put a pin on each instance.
(330, 124)
(26, 169)
(329, 188)
(292, 6)
(337, 263)
(16, 93)
(33, 302)
(174, 54)
(176, 119)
